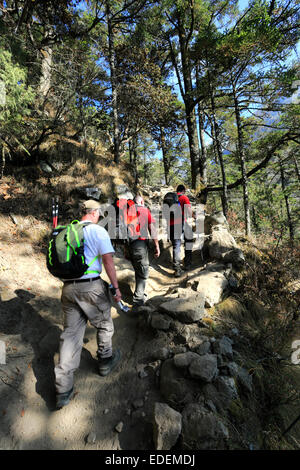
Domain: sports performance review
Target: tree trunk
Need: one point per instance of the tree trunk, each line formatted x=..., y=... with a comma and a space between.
x=83, y=133
x=296, y=168
x=218, y=146
x=45, y=80
x=203, y=154
x=193, y=145
x=165, y=156
x=189, y=105
x=203, y=158
x=135, y=162
x=145, y=164
x=114, y=91
x=130, y=152
x=2, y=165
x=263, y=164
x=241, y=152
x=287, y=202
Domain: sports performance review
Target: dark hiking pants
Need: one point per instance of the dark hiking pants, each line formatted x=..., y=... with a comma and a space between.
x=140, y=261
x=176, y=243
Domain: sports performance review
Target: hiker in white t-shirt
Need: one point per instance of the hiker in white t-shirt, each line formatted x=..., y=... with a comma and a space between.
x=88, y=299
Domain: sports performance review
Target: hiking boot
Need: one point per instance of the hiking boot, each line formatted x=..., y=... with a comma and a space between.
x=178, y=272
x=134, y=311
x=187, y=267
x=106, y=365
x=62, y=399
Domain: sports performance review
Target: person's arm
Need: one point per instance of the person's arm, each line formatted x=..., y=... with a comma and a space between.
x=153, y=233
x=190, y=212
x=157, y=249
x=111, y=272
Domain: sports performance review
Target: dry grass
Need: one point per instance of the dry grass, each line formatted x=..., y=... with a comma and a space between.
x=265, y=311
x=27, y=193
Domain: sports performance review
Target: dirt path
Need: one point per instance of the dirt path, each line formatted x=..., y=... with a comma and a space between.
x=30, y=325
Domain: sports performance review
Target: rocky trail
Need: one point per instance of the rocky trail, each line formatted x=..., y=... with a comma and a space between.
x=31, y=322
x=106, y=413
x=181, y=383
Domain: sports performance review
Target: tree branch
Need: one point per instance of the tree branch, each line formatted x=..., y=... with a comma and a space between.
x=270, y=153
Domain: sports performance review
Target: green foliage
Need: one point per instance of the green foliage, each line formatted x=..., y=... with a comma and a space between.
x=17, y=102
x=18, y=95
x=235, y=62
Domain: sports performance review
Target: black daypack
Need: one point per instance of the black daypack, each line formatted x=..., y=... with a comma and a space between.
x=171, y=209
x=170, y=199
x=65, y=257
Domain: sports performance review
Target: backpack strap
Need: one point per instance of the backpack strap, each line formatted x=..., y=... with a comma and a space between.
x=90, y=271
x=69, y=229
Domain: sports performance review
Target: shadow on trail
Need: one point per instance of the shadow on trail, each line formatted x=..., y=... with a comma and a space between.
x=155, y=264
x=165, y=261
x=18, y=317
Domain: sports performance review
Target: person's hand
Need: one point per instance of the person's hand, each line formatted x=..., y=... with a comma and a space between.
x=157, y=252
x=118, y=296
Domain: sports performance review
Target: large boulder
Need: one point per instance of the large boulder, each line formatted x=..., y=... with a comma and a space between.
x=204, y=367
x=241, y=375
x=223, y=346
x=174, y=386
x=122, y=191
x=202, y=429
x=221, y=392
x=221, y=241
x=211, y=284
x=211, y=220
x=203, y=345
x=187, y=310
x=167, y=424
x=226, y=388
x=160, y=322
x=183, y=360
x=196, y=340
x=220, y=244
x=235, y=257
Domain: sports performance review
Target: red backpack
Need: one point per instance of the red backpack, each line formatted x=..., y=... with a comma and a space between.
x=127, y=220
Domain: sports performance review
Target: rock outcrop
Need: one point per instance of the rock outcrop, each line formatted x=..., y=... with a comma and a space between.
x=187, y=310
x=167, y=426
x=220, y=244
x=202, y=429
x=197, y=376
